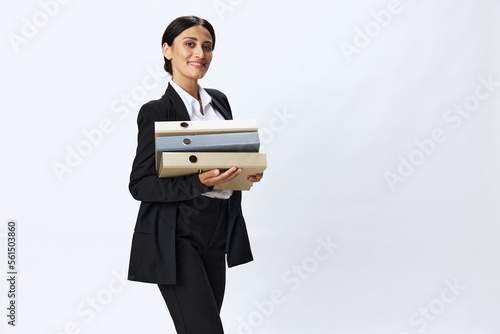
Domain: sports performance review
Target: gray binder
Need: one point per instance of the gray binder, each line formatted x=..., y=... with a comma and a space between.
x=224, y=142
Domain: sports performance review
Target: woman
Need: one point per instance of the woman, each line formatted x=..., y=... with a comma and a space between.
x=184, y=227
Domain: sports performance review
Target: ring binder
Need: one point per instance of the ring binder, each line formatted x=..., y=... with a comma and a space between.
x=190, y=147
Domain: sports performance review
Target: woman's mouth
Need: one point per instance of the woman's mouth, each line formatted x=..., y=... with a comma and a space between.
x=197, y=64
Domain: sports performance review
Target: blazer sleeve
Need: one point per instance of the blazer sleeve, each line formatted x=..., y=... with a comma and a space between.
x=144, y=184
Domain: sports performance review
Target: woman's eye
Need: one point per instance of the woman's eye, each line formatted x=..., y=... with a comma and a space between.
x=190, y=44
x=207, y=47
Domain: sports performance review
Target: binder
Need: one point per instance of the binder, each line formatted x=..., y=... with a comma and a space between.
x=185, y=163
x=179, y=128
x=226, y=142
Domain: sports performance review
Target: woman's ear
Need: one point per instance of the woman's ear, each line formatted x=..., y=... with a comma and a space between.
x=166, y=51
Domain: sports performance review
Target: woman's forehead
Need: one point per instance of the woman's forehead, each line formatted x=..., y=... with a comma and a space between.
x=198, y=33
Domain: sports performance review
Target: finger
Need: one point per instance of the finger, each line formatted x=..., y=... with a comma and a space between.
x=206, y=176
x=210, y=173
x=255, y=178
x=228, y=175
x=215, y=177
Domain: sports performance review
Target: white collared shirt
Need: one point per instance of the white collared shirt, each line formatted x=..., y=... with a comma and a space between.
x=209, y=114
x=193, y=106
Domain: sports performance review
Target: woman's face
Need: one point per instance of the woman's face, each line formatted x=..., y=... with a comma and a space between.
x=190, y=54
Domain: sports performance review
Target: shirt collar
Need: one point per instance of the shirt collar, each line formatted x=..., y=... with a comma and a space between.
x=189, y=101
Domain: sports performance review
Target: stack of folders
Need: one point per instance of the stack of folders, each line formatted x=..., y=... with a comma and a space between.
x=187, y=147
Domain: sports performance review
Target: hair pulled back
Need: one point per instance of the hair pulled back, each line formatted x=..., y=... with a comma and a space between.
x=177, y=26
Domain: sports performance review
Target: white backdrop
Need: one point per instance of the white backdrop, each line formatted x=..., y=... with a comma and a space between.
x=379, y=209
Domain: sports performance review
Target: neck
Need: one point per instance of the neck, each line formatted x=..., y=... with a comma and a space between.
x=190, y=86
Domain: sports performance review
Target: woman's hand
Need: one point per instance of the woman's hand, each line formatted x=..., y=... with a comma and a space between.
x=214, y=177
x=256, y=177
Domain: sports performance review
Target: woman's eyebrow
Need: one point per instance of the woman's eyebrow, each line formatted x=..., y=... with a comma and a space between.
x=196, y=39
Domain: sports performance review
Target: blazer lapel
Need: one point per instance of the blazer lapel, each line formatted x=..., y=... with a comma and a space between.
x=220, y=108
x=180, y=112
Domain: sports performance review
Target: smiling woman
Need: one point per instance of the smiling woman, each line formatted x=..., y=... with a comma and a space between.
x=188, y=51
x=184, y=227
x=190, y=55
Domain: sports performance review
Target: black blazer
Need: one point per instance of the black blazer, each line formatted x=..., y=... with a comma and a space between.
x=152, y=257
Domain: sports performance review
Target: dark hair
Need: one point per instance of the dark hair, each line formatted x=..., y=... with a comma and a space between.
x=177, y=26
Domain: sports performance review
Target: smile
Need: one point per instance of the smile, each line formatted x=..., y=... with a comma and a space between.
x=197, y=64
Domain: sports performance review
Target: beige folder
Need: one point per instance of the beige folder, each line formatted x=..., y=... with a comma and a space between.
x=186, y=163
x=180, y=128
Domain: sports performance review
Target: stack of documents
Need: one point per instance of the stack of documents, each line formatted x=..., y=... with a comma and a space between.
x=187, y=147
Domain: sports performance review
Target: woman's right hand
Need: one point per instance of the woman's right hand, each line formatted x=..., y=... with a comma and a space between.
x=214, y=177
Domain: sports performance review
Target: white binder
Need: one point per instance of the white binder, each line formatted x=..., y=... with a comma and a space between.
x=177, y=128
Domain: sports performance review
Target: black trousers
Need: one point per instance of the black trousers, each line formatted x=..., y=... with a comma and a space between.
x=194, y=302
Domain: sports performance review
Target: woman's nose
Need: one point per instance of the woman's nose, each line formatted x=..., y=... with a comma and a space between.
x=199, y=52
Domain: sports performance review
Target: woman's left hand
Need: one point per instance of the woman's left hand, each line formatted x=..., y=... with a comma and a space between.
x=256, y=177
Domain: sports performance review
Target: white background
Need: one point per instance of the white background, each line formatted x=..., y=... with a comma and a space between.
x=343, y=92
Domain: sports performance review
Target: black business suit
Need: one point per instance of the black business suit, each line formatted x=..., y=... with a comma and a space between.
x=153, y=253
